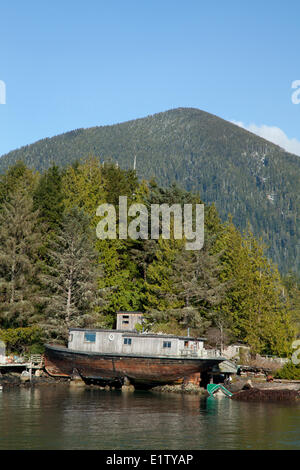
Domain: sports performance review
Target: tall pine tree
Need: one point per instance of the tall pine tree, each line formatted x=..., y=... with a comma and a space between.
x=20, y=240
x=72, y=281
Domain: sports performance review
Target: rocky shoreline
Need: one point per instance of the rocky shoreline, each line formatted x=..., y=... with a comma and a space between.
x=267, y=395
x=14, y=379
x=242, y=390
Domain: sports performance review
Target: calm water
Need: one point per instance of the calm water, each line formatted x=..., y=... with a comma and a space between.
x=63, y=418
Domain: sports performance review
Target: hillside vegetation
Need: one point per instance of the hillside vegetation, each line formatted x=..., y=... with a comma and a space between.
x=56, y=274
x=244, y=175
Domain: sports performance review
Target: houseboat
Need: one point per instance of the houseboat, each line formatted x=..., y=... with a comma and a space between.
x=143, y=359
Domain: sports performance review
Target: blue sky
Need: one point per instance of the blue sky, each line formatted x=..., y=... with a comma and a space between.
x=70, y=64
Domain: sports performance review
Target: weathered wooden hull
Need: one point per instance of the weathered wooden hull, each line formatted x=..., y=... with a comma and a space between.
x=60, y=361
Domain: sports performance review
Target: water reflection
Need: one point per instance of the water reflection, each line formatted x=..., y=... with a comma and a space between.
x=69, y=418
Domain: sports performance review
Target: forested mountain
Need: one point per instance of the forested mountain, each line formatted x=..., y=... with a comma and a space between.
x=244, y=175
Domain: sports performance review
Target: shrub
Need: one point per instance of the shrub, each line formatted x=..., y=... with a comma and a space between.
x=23, y=340
x=289, y=371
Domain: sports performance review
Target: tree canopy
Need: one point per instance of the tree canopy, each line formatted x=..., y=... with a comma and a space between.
x=55, y=273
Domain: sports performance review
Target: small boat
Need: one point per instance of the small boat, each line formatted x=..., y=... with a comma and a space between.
x=218, y=391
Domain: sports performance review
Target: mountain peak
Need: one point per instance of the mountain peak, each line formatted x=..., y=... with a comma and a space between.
x=254, y=180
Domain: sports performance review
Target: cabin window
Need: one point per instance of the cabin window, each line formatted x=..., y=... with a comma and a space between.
x=127, y=341
x=167, y=344
x=89, y=337
x=186, y=344
x=70, y=337
x=125, y=322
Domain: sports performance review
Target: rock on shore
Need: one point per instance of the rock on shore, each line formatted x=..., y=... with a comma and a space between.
x=188, y=388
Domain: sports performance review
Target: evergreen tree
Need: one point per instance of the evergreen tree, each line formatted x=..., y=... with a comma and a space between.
x=259, y=314
x=195, y=281
x=118, y=182
x=291, y=283
x=83, y=187
x=121, y=279
x=20, y=241
x=48, y=198
x=18, y=177
x=72, y=282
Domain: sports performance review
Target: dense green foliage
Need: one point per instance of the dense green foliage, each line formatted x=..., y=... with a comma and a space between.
x=289, y=371
x=55, y=273
x=23, y=340
x=20, y=242
x=243, y=174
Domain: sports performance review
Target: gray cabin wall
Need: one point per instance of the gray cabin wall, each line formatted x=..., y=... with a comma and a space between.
x=103, y=342
x=112, y=341
x=127, y=320
x=151, y=346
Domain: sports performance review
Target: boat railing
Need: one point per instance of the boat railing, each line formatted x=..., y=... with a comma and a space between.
x=202, y=353
x=211, y=353
x=189, y=352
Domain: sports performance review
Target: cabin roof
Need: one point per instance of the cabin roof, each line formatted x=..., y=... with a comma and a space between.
x=153, y=335
x=140, y=335
x=100, y=329
x=121, y=312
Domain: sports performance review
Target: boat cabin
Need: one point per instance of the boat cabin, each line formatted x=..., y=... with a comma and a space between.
x=126, y=340
x=129, y=342
x=128, y=320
